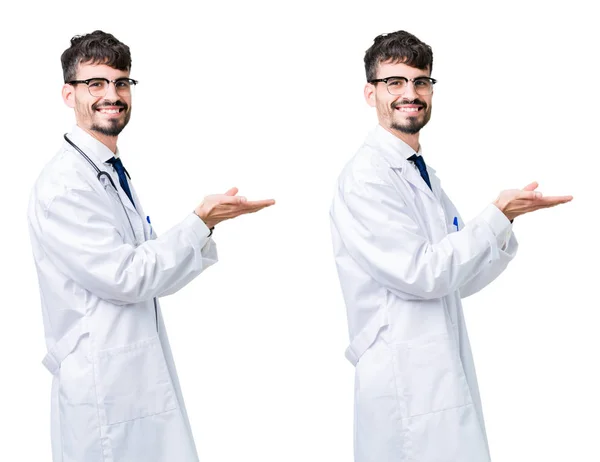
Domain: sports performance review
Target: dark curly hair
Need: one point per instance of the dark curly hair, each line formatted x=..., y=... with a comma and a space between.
x=95, y=48
x=400, y=47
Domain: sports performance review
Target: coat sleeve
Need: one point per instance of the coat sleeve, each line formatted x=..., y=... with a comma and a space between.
x=378, y=231
x=493, y=269
x=507, y=251
x=76, y=229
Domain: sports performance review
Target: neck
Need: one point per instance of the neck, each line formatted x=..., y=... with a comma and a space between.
x=109, y=141
x=411, y=140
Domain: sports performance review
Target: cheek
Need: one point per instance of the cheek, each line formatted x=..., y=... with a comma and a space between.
x=83, y=104
x=385, y=103
x=385, y=111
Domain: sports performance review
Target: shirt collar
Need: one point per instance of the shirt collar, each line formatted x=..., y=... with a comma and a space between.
x=93, y=148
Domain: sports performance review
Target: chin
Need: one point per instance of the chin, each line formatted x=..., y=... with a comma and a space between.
x=409, y=129
x=109, y=129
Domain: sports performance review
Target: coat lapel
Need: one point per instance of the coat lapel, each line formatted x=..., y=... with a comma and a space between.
x=414, y=178
x=99, y=153
x=396, y=152
x=132, y=213
x=428, y=204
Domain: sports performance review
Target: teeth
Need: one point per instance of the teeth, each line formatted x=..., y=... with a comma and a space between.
x=109, y=111
x=409, y=109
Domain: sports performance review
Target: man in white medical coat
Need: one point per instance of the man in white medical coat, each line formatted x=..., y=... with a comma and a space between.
x=405, y=258
x=115, y=394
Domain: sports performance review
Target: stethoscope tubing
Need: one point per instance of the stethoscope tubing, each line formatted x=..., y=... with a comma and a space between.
x=100, y=174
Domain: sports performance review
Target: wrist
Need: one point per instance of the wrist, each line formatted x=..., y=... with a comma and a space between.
x=202, y=217
x=502, y=208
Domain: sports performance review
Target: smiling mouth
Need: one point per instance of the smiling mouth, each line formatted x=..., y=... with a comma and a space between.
x=409, y=109
x=106, y=110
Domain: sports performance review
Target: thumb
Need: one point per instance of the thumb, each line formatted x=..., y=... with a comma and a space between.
x=531, y=186
x=232, y=192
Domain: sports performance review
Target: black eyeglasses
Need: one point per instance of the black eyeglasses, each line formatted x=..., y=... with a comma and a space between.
x=397, y=85
x=98, y=86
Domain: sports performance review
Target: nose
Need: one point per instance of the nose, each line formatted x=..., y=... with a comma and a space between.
x=410, y=92
x=111, y=92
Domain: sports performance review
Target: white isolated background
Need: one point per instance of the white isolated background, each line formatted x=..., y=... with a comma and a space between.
x=267, y=96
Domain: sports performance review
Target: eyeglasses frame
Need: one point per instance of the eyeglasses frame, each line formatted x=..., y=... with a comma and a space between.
x=108, y=82
x=385, y=80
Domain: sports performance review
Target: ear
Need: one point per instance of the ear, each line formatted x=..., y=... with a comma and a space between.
x=68, y=95
x=370, y=94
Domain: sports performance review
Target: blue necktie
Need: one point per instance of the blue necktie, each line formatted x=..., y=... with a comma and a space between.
x=420, y=163
x=118, y=165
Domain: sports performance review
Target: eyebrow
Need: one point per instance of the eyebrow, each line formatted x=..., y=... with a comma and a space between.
x=104, y=78
x=402, y=77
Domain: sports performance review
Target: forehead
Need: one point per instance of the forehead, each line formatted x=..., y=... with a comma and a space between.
x=88, y=70
x=395, y=68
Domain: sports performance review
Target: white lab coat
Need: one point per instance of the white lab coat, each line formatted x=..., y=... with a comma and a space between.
x=403, y=269
x=115, y=393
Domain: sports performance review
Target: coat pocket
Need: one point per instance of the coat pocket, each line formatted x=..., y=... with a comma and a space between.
x=429, y=376
x=133, y=382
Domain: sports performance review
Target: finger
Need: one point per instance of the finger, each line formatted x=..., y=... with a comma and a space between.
x=231, y=200
x=541, y=205
x=563, y=198
x=528, y=202
x=232, y=192
x=556, y=199
x=546, y=205
x=252, y=209
x=239, y=208
x=261, y=203
x=529, y=195
x=531, y=186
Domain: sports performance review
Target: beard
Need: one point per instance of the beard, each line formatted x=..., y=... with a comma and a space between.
x=112, y=127
x=412, y=125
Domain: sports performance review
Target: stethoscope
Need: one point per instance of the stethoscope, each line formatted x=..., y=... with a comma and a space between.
x=100, y=174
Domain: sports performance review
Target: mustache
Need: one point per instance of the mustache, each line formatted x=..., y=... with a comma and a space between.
x=105, y=103
x=397, y=104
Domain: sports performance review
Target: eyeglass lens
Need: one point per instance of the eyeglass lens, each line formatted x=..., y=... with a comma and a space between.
x=398, y=86
x=99, y=87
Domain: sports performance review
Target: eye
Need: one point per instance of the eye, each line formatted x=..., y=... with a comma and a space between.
x=122, y=84
x=96, y=83
x=422, y=83
x=396, y=82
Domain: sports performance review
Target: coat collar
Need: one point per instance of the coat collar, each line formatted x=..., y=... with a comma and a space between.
x=100, y=154
x=391, y=147
x=396, y=152
x=93, y=148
